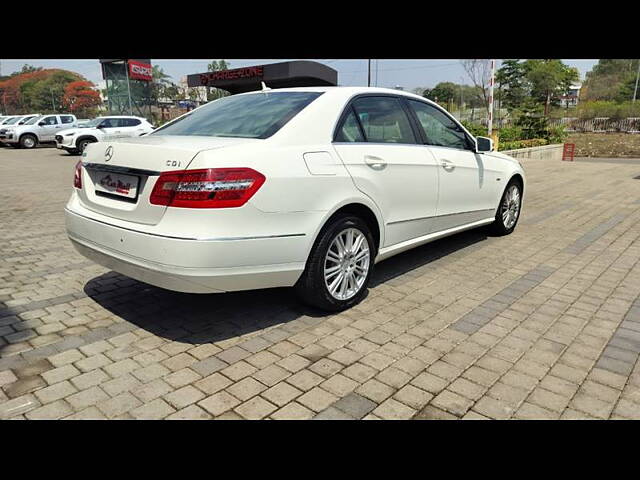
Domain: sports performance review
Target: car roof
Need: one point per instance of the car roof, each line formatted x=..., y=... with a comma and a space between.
x=343, y=91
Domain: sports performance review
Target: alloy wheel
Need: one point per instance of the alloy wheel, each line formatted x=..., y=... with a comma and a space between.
x=346, y=264
x=511, y=207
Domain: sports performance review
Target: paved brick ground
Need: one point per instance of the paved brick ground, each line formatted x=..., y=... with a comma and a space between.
x=544, y=323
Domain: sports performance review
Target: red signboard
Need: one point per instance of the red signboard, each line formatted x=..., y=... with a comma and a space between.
x=247, y=72
x=567, y=151
x=140, y=71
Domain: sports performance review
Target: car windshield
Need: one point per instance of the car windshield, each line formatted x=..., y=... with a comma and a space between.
x=92, y=123
x=32, y=120
x=257, y=115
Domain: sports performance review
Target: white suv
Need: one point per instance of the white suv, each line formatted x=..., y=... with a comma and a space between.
x=41, y=129
x=75, y=140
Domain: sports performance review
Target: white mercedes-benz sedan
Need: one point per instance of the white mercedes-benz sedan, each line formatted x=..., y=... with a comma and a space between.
x=305, y=187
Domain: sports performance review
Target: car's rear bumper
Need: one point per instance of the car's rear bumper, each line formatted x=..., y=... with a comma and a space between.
x=187, y=265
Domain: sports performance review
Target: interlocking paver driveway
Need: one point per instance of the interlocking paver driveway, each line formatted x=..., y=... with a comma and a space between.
x=544, y=323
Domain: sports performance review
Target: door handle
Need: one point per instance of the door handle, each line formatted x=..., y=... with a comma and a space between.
x=376, y=163
x=448, y=165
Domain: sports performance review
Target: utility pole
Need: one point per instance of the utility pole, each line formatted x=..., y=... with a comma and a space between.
x=491, y=82
x=53, y=106
x=635, y=90
x=369, y=77
x=461, y=97
x=377, y=72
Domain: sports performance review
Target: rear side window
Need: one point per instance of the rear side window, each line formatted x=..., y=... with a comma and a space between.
x=130, y=122
x=350, y=130
x=255, y=115
x=66, y=119
x=384, y=120
x=439, y=129
x=50, y=120
x=110, y=123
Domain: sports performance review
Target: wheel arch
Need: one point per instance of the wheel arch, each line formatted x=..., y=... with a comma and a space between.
x=362, y=209
x=29, y=134
x=85, y=137
x=517, y=177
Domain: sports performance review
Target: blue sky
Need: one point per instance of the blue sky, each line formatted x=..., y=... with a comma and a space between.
x=390, y=73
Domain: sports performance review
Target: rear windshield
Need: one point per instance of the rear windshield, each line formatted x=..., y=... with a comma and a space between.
x=257, y=115
x=11, y=121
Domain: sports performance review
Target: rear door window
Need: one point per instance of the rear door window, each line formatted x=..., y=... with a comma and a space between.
x=51, y=120
x=384, y=120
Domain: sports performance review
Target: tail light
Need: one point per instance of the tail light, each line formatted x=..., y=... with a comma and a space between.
x=77, y=176
x=206, y=188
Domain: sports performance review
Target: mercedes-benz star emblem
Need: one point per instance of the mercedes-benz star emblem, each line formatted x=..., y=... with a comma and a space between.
x=108, y=154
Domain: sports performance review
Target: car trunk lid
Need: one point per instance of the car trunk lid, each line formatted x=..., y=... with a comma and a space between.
x=118, y=177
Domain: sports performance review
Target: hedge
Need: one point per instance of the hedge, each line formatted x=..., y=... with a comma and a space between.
x=534, y=142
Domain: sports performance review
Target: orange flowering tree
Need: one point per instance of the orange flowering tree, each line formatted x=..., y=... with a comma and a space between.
x=43, y=91
x=81, y=98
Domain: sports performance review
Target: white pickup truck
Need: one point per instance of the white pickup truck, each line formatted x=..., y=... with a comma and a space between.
x=41, y=129
x=8, y=122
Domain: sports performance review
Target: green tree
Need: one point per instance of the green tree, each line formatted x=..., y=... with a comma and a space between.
x=549, y=79
x=160, y=84
x=609, y=79
x=216, y=66
x=513, y=84
x=26, y=68
x=444, y=92
x=45, y=95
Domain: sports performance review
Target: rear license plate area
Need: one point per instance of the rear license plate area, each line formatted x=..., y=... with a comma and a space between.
x=116, y=185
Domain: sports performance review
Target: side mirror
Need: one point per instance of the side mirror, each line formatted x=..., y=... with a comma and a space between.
x=484, y=144
x=100, y=126
x=42, y=124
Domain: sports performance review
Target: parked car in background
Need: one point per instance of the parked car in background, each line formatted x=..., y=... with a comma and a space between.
x=75, y=140
x=7, y=118
x=38, y=130
x=16, y=120
x=305, y=187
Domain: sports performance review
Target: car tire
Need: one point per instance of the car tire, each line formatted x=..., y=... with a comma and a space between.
x=509, y=210
x=354, y=265
x=82, y=144
x=28, y=141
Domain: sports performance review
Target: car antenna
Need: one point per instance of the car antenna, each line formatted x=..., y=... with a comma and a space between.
x=264, y=87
